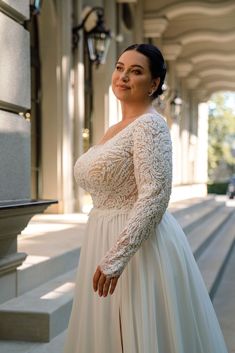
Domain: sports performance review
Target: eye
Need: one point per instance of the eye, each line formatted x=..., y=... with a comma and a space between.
x=118, y=68
x=136, y=71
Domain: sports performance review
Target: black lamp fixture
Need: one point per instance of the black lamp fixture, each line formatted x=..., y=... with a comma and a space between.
x=35, y=6
x=97, y=36
x=176, y=104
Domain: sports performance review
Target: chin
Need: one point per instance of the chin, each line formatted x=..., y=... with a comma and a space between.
x=122, y=96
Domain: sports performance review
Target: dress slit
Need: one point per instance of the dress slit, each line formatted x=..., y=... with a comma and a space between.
x=120, y=326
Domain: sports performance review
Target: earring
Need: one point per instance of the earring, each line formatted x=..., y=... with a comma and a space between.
x=151, y=93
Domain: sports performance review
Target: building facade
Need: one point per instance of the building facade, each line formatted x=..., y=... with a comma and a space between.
x=71, y=100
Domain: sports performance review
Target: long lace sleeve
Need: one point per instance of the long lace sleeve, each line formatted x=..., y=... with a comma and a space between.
x=152, y=157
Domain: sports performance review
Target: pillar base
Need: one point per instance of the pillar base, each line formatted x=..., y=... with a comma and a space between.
x=14, y=217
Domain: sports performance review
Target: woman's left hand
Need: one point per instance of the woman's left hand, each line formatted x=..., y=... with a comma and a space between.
x=103, y=284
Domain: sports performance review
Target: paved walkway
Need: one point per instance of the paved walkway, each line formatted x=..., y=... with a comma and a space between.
x=225, y=305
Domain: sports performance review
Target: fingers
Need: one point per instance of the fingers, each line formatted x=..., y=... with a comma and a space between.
x=103, y=284
x=106, y=287
x=96, y=278
x=113, y=285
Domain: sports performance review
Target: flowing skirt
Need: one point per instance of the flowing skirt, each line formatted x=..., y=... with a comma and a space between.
x=160, y=304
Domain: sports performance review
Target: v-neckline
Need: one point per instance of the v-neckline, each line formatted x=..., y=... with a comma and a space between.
x=152, y=111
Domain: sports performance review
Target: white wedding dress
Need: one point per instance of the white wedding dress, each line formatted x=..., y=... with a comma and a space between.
x=160, y=304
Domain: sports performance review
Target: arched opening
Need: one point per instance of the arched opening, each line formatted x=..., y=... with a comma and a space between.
x=221, y=140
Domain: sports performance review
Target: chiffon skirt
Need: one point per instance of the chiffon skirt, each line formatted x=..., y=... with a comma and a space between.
x=160, y=304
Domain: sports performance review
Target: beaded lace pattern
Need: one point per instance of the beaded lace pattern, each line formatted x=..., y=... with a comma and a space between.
x=131, y=171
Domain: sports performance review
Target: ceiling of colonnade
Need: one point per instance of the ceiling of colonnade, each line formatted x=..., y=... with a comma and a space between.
x=199, y=36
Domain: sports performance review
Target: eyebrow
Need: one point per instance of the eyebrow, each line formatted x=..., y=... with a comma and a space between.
x=135, y=65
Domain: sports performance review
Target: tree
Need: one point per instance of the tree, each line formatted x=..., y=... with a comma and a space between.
x=221, y=139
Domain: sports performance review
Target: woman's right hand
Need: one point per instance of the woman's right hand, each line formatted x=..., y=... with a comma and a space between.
x=103, y=284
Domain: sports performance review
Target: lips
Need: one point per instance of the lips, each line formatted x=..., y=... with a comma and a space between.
x=123, y=87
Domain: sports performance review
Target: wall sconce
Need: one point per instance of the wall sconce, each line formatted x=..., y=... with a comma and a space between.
x=26, y=115
x=35, y=6
x=176, y=105
x=97, y=36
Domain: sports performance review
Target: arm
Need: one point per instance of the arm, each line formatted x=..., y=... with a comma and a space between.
x=152, y=158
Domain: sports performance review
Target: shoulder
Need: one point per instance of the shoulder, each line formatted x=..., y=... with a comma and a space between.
x=152, y=122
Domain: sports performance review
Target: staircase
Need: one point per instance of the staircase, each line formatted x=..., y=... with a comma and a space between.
x=36, y=321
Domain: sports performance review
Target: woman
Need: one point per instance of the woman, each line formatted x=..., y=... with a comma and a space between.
x=148, y=295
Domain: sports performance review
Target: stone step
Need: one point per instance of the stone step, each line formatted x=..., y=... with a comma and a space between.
x=213, y=260
x=54, y=346
x=37, y=271
x=190, y=218
x=200, y=236
x=223, y=302
x=53, y=244
x=190, y=204
x=41, y=314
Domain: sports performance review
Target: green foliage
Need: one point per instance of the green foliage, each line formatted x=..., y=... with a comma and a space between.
x=221, y=139
x=217, y=188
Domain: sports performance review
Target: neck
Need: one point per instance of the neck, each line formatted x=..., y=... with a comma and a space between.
x=130, y=111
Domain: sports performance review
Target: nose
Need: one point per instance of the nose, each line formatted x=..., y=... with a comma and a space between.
x=124, y=76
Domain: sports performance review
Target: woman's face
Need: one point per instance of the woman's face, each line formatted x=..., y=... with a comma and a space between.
x=131, y=79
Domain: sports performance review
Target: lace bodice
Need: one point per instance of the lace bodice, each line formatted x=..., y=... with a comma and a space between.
x=133, y=171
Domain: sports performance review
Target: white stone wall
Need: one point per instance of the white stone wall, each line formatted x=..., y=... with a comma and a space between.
x=14, y=98
x=15, y=64
x=16, y=8
x=15, y=157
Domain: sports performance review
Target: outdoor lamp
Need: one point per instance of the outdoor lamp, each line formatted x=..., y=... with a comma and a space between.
x=35, y=6
x=176, y=105
x=97, y=37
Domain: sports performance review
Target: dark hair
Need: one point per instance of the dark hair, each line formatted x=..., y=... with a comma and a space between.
x=156, y=63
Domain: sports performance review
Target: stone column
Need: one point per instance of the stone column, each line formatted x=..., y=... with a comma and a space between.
x=79, y=102
x=55, y=32
x=171, y=51
x=184, y=138
x=202, y=154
